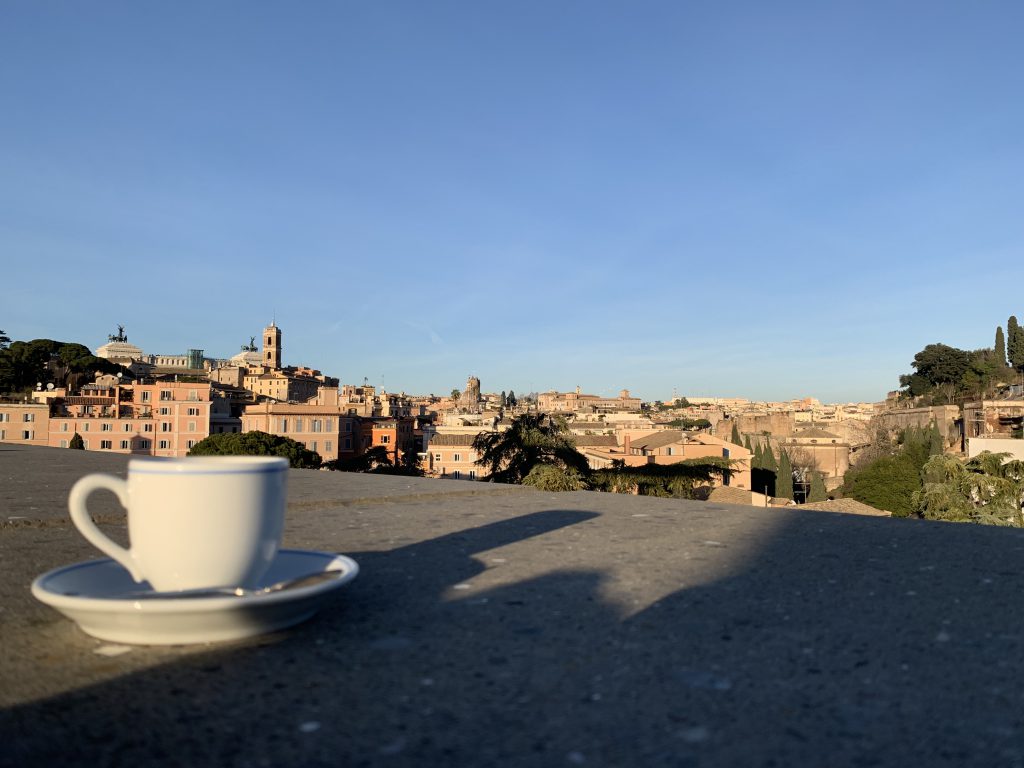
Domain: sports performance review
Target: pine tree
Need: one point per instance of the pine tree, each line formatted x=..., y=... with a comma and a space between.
x=1000, y=346
x=784, y=479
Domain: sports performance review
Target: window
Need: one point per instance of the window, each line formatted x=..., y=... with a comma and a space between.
x=437, y=457
x=63, y=426
x=328, y=446
x=193, y=411
x=330, y=424
x=106, y=445
x=106, y=426
x=312, y=446
x=457, y=457
x=5, y=417
x=147, y=427
x=165, y=394
x=145, y=444
x=317, y=425
x=191, y=426
x=298, y=425
x=145, y=396
x=164, y=411
x=85, y=427
x=472, y=474
x=166, y=426
x=348, y=425
x=190, y=443
x=29, y=417
x=164, y=444
x=28, y=434
x=125, y=445
x=127, y=427
x=63, y=443
x=284, y=425
x=385, y=439
x=457, y=475
x=348, y=443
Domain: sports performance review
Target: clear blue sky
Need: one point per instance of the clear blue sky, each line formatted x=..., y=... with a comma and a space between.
x=760, y=199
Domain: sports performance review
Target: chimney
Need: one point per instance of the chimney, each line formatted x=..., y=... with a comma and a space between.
x=627, y=444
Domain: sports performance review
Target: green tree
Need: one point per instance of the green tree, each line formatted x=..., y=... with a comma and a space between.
x=937, y=367
x=735, y=438
x=512, y=398
x=1015, y=343
x=456, y=394
x=768, y=457
x=375, y=459
x=257, y=444
x=549, y=477
x=23, y=363
x=887, y=483
x=987, y=489
x=784, y=477
x=533, y=438
x=680, y=480
x=1000, y=348
x=817, y=490
x=5, y=340
x=77, y=442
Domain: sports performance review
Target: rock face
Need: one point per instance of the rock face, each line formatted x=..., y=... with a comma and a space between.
x=469, y=400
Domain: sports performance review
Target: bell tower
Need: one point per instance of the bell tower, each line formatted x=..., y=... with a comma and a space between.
x=272, y=346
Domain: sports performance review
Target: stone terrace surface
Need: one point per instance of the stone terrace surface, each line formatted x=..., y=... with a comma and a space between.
x=500, y=626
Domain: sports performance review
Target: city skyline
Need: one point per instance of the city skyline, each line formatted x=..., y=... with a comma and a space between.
x=762, y=202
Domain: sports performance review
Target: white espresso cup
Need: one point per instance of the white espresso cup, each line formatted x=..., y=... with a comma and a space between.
x=193, y=523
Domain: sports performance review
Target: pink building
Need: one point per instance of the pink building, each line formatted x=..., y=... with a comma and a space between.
x=164, y=418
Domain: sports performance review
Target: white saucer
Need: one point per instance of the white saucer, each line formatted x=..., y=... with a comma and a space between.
x=88, y=593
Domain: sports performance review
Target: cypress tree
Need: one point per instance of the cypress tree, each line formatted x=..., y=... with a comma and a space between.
x=768, y=458
x=784, y=478
x=1015, y=343
x=817, y=491
x=1000, y=346
x=936, y=445
x=757, y=462
x=736, y=439
x=77, y=442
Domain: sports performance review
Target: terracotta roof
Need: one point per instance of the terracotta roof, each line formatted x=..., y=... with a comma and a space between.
x=593, y=441
x=850, y=506
x=451, y=440
x=658, y=439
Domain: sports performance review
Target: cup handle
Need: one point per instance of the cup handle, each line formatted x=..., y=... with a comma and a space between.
x=80, y=492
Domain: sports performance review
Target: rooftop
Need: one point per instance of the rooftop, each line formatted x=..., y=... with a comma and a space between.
x=501, y=626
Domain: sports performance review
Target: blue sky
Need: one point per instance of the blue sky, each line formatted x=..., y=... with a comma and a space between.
x=767, y=200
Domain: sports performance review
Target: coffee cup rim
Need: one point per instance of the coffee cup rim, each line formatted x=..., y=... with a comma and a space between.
x=207, y=465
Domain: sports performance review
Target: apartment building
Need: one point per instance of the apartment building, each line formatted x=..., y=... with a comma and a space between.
x=452, y=456
x=323, y=424
x=163, y=418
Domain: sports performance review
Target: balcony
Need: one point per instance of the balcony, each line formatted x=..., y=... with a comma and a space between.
x=497, y=626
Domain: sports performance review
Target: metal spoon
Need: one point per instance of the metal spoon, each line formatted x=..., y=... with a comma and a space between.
x=300, y=581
